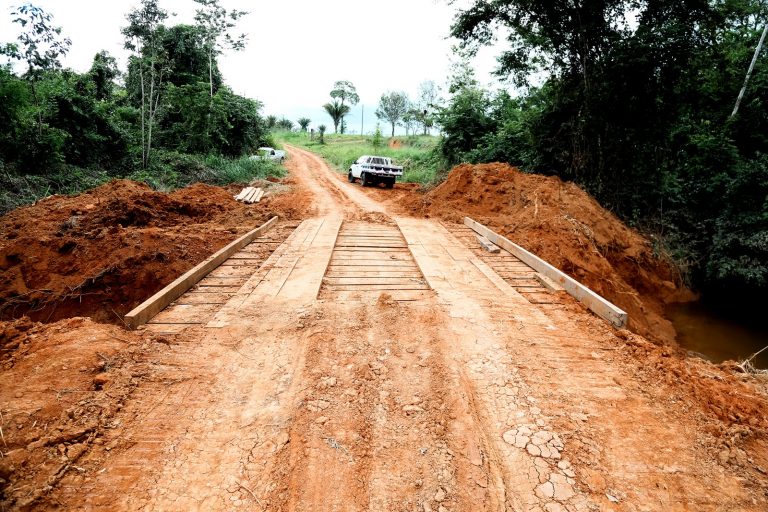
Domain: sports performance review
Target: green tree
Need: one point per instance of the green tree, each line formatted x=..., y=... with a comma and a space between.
x=392, y=108
x=215, y=23
x=271, y=122
x=337, y=111
x=285, y=124
x=304, y=123
x=377, y=141
x=346, y=94
x=143, y=37
x=427, y=104
x=188, y=58
x=104, y=72
x=40, y=46
x=465, y=121
x=226, y=124
x=639, y=115
x=322, y=129
x=410, y=120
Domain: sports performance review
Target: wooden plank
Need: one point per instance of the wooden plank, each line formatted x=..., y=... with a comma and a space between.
x=249, y=198
x=597, y=304
x=373, y=280
x=251, y=254
x=540, y=297
x=349, y=247
x=217, y=289
x=368, y=234
x=525, y=283
x=374, y=273
x=548, y=283
x=243, y=262
x=203, y=298
x=371, y=263
x=243, y=193
x=487, y=244
x=370, y=240
x=369, y=245
x=512, y=276
x=360, y=287
x=372, y=255
x=221, y=281
x=153, y=305
x=185, y=314
x=371, y=296
x=258, y=196
x=233, y=271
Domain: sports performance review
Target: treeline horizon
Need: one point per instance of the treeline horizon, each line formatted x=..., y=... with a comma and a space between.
x=170, y=120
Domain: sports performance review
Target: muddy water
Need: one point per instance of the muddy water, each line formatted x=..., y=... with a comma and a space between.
x=718, y=337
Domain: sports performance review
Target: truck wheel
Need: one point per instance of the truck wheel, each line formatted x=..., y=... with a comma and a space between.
x=364, y=181
x=350, y=178
x=390, y=183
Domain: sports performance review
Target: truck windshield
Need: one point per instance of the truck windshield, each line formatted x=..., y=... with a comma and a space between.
x=378, y=161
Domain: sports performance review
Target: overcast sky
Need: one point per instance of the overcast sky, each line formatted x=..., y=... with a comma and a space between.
x=296, y=49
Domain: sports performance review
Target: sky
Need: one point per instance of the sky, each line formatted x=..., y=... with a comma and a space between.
x=296, y=49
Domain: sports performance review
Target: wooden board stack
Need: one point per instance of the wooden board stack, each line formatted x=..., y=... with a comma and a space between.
x=250, y=195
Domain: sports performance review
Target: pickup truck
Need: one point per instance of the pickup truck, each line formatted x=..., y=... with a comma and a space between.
x=372, y=170
x=273, y=154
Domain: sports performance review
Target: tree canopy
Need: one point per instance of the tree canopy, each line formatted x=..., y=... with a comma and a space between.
x=634, y=103
x=392, y=107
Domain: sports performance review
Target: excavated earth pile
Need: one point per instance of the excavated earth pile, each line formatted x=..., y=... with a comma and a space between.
x=564, y=225
x=102, y=252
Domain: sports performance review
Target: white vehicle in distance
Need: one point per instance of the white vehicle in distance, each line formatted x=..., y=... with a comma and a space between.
x=273, y=154
x=372, y=170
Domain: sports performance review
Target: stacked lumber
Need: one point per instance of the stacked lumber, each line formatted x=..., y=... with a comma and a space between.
x=250, y=195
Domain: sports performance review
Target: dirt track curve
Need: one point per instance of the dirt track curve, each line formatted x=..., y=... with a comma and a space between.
x=379, y=362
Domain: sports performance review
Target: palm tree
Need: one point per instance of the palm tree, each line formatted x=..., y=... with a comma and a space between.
x=304, y=123
x=321, y=129
x=337, y=111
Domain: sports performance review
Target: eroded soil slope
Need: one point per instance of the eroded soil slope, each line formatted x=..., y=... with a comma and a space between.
x=101, y=253
x=564, y=225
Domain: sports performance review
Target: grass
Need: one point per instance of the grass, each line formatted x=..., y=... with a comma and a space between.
x=416, y=154
x=168, y=171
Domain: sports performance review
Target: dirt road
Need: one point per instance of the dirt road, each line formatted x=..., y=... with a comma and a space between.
x=380, y=363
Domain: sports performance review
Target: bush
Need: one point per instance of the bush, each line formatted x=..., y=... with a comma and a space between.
x=242, y=170
x=170, y=170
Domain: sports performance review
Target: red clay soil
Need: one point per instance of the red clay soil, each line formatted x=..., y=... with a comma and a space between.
x=102, y=252
x=60, y=386
x=564, y=225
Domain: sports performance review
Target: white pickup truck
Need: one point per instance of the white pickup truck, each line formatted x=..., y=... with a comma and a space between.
x=372, y=170
x=273, y=154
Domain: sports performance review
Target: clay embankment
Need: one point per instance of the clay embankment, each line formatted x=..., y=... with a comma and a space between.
x=564, y=225
x=101, y=253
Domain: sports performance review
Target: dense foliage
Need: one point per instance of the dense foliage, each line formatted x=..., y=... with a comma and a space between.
x=636, y=107
x=63, y=131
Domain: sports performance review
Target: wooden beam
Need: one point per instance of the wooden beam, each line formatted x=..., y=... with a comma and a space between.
x=243, y=193
x=548, y=283
x=593, y=301
x=156, y=303
x=249, y=198
x=487, y=244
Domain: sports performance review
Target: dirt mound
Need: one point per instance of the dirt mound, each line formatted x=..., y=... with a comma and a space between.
x=564, y=225
x=60, y=386
x=102, y=252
